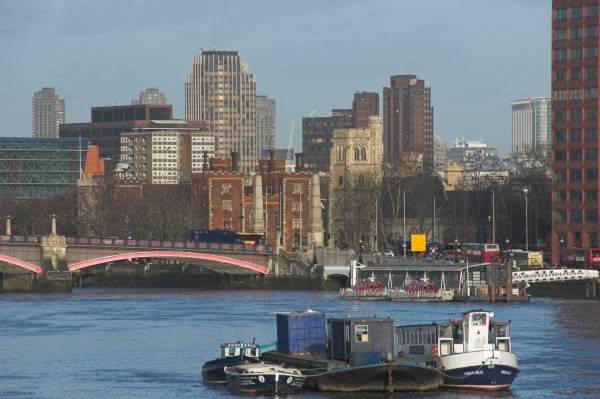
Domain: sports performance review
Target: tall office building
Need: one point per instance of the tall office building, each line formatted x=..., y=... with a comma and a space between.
x=531, y=124
x=407, y=120
x=47, y=112
x=440, y=153
x=222, y=92
x=265, y=123
x=150, y=96
x=317, y=132
x=575, y=165
x=364, y=106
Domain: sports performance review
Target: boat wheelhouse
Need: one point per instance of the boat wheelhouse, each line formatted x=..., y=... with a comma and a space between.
x=474, y=352
x=232, y=354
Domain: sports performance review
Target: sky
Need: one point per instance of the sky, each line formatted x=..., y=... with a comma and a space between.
x=476, y=55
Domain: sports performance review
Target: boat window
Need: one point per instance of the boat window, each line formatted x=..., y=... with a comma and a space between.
x=231, y=352
x=361, y=333
x=479, y=319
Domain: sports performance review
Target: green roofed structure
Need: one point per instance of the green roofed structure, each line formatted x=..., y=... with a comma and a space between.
x=39, y=167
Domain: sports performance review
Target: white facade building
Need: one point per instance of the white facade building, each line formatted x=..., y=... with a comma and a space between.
x=531, y=124
x=47, y=112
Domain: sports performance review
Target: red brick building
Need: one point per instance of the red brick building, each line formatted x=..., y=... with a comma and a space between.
x=575, y=164
x=222, y=199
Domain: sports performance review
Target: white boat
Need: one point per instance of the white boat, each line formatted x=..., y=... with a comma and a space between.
x=472, y=353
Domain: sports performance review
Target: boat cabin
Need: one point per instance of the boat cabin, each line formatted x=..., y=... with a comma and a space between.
x=240, y=348
x=475, y=332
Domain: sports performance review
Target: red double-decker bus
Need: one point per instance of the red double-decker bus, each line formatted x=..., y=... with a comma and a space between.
x=484, y=253
x=582, y=258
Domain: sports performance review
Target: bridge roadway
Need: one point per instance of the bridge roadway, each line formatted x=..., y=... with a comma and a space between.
x=27, y=252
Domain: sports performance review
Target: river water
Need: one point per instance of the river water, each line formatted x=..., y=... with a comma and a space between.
x=109, y=343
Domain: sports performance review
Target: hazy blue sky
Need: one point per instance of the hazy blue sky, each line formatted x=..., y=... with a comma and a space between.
x=477, y=55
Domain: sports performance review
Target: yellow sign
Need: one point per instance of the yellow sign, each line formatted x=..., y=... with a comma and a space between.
x=417, y=242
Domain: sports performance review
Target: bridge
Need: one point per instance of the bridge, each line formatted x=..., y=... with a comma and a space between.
x=70, y=254
x=554, y=275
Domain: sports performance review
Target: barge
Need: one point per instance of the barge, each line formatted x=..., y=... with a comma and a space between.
x=472, y=353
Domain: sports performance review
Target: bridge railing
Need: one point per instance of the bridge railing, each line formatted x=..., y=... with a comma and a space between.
x=152, y=244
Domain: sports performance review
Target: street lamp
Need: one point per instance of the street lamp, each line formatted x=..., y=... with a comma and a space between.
x=562, y=243
x=404, y=220
x=525, y=191
x=507, y=243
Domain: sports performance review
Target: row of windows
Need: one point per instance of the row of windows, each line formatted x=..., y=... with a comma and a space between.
x=575, y=53
x=576, y=216
x=575, y=135
x=576, y=175
x=576, y=155
x=576, y=115
x=575, y=94
x=576, y=196
x=576, y=33
x=575, y=12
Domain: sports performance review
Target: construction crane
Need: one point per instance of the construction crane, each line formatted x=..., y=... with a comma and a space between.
x=291, y=139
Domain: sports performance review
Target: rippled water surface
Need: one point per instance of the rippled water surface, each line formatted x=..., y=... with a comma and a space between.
x=103, y=343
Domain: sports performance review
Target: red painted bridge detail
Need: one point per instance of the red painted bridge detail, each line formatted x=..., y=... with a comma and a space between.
x=169, y=254
x=20, y=263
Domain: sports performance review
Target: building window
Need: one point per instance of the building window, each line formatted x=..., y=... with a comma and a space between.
x=575, y=53
x=560, y=115
x=590, y=114
x=591, y=196
x=576, y=94
x=574, y=135
x=560, y=196
x=560, y=75
x=575, y=155
x=575, y=196
x=226, y=189
x=591, y=11
x=560, y=13
x=560, y=95
x=591, y=52
x=560, y=136
x=559, y=55
x=590, y=73
x=560, y=216
x=559, y=155
x=575, y=215
x=576, y=12
x=591, y=31
x=575, y=74
x=297, y=224
x=593, y=239
x=297, y=188
x=590, y=135
x=560, y=34
x=575, y=115
x=227, y=224
x=591, y=154
x=591, y=92
x=560, y=176
x=575, y=175
x=591, y=216
x=591, y=175
x=297, y=206
x=227, y=205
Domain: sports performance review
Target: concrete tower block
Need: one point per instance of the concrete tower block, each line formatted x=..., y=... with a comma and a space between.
x=257, y=221
x=315, y=233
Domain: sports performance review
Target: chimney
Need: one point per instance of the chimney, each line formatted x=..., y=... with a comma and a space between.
x=235, y=161
x=299, y=162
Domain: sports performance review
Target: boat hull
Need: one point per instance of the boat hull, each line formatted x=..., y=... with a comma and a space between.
x=483, y=370
x=376, y=378
x=264, y=383
x=213, y=371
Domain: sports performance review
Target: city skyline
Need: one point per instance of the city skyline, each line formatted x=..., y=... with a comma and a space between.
x=301, y=68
